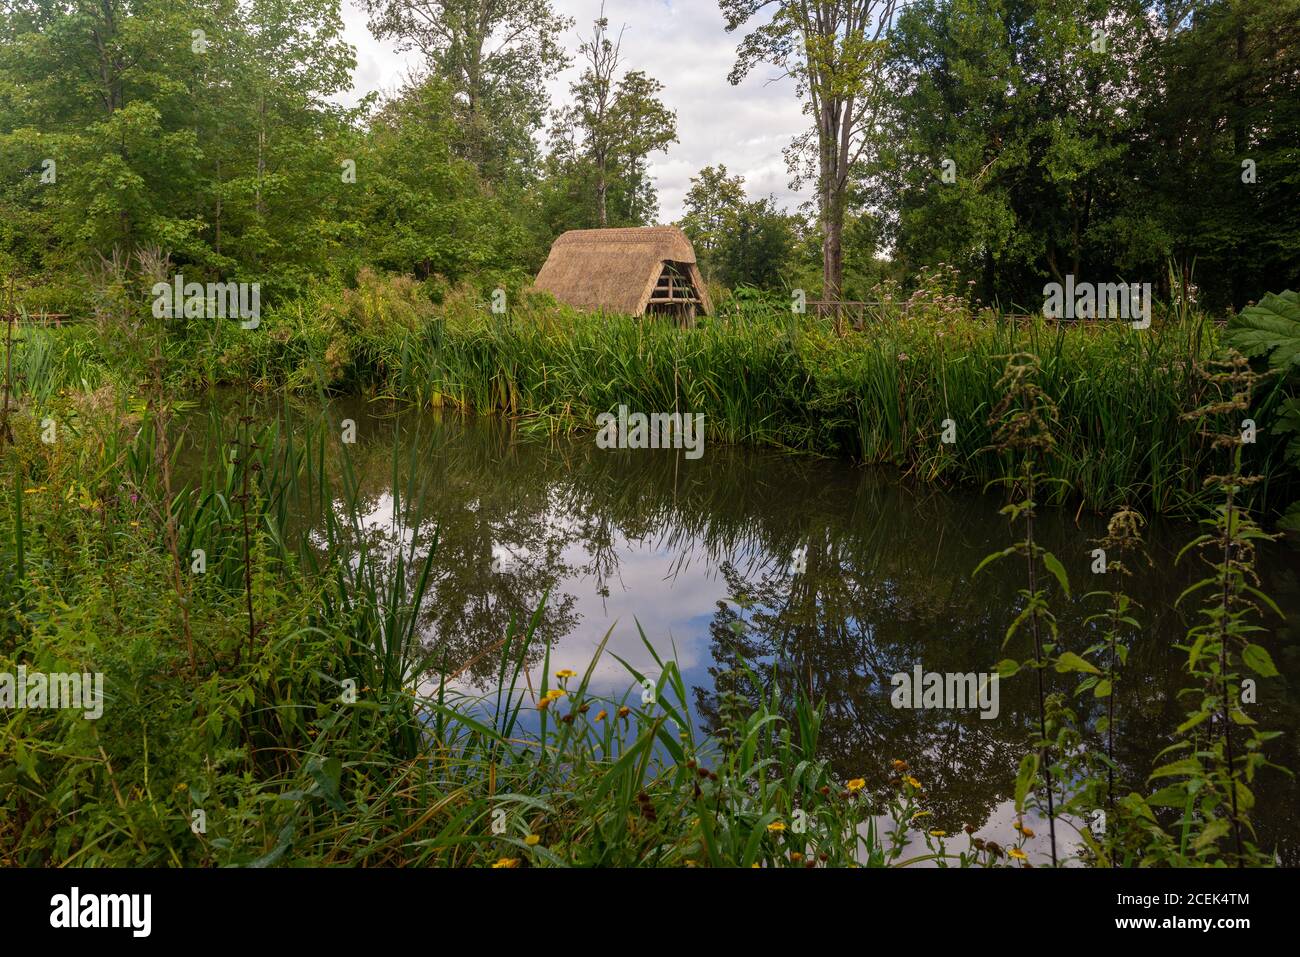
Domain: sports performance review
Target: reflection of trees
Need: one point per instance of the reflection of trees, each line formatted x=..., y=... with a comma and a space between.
x=470, y=603
x=839, y=631
x=887, y=584
x=894, y=589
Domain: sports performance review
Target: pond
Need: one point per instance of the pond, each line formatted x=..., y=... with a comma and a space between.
x=840, y=577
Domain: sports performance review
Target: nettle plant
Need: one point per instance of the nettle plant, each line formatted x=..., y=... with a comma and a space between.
x=1108, y=655
x=1220, y=747
x=1022, y=425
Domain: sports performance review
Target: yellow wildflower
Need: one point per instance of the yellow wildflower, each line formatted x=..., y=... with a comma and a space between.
x=912, y=781
x=532, y=840
x=938, y=833
x=776, y=827
x=857, y=784
x=507, y=862
x=547, y=698
x=602, y=714
x=1018, y=854
x=565, y=673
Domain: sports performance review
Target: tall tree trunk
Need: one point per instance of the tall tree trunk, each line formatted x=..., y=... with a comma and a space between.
x=832, y=135
x=1239, y=146
x=475, y=88
x=833, y=251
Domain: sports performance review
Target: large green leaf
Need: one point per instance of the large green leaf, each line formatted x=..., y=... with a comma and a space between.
x=1288, y=422
x=1270, y=327
x=1185, y=766
x=1025, y=779
x=1056, y=568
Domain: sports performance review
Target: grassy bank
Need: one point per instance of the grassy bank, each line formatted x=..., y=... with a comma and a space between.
x=758, y=373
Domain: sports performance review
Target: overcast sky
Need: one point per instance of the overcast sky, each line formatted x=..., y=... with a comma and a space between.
x=683, y=45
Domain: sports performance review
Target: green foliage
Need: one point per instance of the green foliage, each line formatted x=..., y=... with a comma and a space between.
x=1269, y=328
x=290, y=693
x=837, y=55
x=601, y=142
x=1218, y=749
x=755, y=246
x=419, y=208
x=1103, y=163
x=758, y=373
x=739, y=243
x=1222, y=747
x=1024, y=422
x=226, y=152
x=709, y=201
x=496, y=59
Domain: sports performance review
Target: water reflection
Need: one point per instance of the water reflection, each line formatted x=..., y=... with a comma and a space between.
x=809, y=572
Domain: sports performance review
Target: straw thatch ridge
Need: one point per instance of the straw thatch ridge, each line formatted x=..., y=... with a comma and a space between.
x=616, y=269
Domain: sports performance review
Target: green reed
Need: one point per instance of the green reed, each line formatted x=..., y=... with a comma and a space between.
x=759, y=373
x=879, y=395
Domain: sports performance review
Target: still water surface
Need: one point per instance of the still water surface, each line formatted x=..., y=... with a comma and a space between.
x=685, y=549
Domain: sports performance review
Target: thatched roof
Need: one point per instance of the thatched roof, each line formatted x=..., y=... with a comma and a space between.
x=616, y=269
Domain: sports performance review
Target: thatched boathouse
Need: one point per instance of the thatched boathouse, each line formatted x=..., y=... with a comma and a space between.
x=639, y=271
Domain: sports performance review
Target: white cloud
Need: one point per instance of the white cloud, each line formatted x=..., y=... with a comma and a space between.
x=681, y=43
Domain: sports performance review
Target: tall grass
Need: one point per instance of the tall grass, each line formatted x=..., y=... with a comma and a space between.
x=878, y=396
x=340, y=731
x=760, y=375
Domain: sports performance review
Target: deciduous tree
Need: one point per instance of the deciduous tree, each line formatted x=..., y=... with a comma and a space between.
x=834, y=50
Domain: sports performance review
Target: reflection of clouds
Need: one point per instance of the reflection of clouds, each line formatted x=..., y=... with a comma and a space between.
x=675, y=623
x=385, y=534
x=999, y=826
x=378, y=524
x=504, y=557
